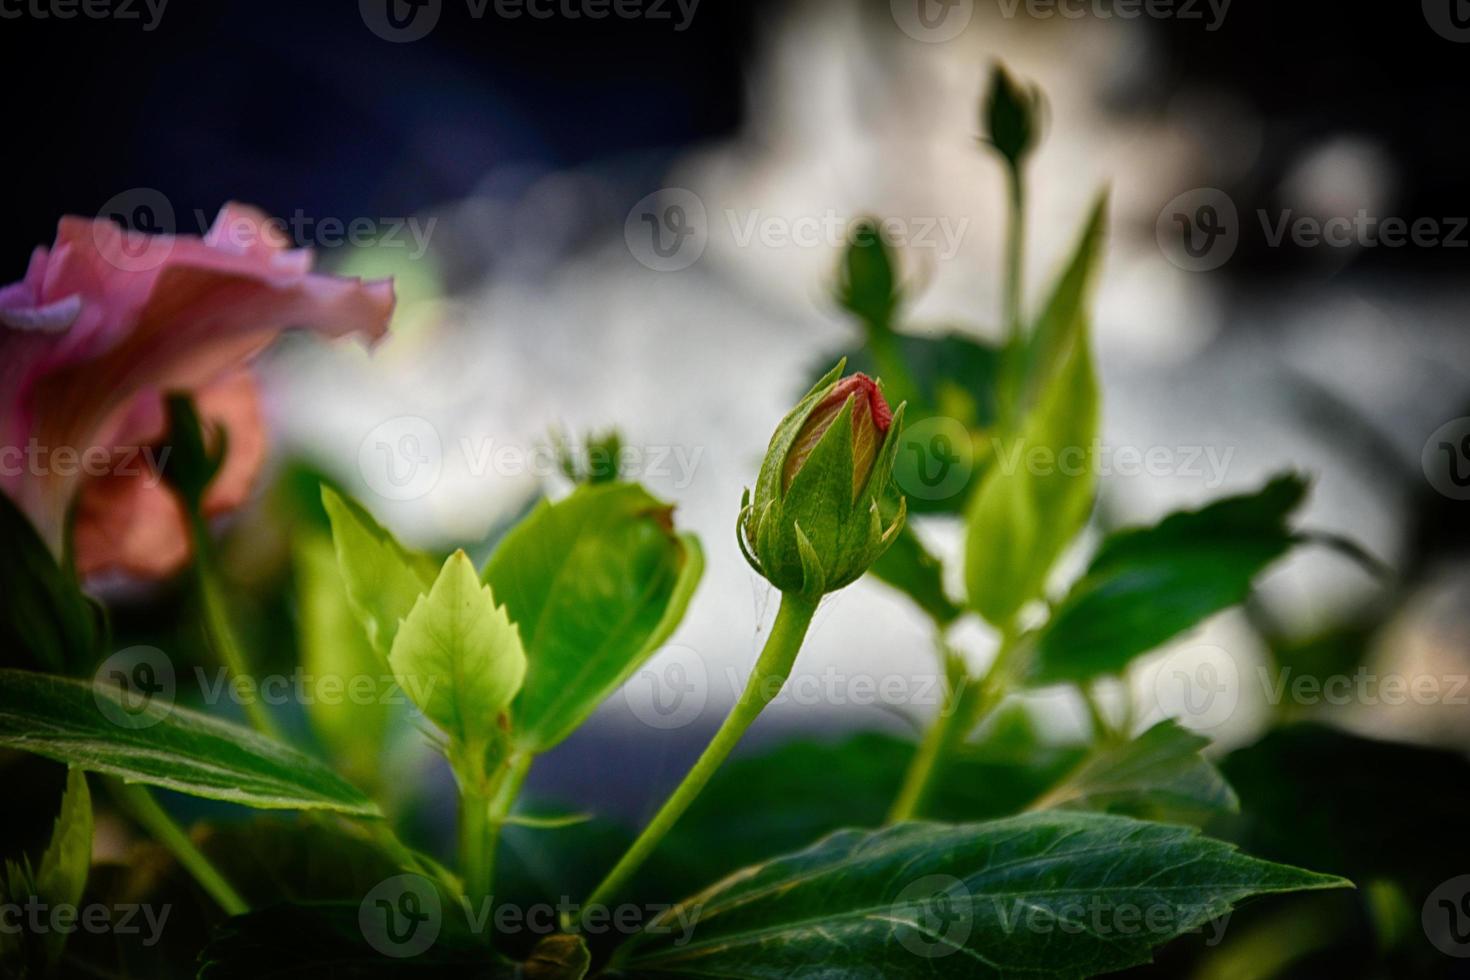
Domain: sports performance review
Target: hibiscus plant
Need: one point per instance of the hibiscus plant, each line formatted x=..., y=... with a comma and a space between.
x=972, y=851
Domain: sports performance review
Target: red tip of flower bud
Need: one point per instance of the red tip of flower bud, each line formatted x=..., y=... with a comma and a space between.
x=871, y=419
x=862, y=384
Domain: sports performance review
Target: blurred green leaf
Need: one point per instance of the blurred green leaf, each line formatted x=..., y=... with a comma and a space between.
x=954, y=375
x=45, y=620
x=1362, y=807
x=335, y=651
x=383, y=578
x=1036, y=495
x=1147, y=585
x=1032, y=366
x=58, y=882
x=276, y=855
x=459, y=656
x=98, y=728
x=596, y=583
x=891, y=904
x=1160, y=775
x=912, y=570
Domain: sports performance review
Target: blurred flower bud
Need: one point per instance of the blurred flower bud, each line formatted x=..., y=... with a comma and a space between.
x=190, y=463
x=815, y=523
x=865, y=284
x=1011, y=116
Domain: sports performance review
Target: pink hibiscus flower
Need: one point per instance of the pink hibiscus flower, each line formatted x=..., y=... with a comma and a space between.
x=103, y=324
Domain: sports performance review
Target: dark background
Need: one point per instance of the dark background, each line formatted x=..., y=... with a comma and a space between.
x=292, y=104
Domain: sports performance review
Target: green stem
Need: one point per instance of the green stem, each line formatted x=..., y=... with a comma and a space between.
x=765, y=682
x=919, y=779
x=484, y=802
x=966, y=704
x=1015, y=252
x=474, y=845
x=507, y=788
x=1102, y=729
x=217, y=622
x=145, y=809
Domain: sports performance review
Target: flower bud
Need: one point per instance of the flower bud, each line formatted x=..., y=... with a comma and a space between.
x=865, y=280
x=816, y=521
x=1011, y=117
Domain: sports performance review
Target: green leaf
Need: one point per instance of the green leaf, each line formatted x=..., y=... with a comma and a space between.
x=64, y=865
x=909, y=567
x=1032, y=366
x=335, y=650
x=955, y=375
x=45, y=620
x=97, y=728
x=383, y=578
x=1147, y=585
x=1035, y=496
x=1356, y=806
x=556, y=822
x=1055, y=894
x=780, y=800
x=459, y=656
x=58, y=882
x=596, y=582
x=1160, y=775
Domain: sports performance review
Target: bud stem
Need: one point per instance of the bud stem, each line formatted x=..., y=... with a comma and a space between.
x=966, y=705
x=766, y=681
x=1015, y=250
x=139, y=803
x=217, y=623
